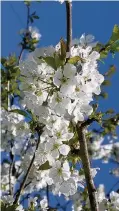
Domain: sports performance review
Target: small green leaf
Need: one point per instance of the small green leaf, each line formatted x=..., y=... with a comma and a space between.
x=115, y=47
x=58, y=60
x=74, y=60
x=18, y=111
x=111, y=71
x=115, y=34
x=104, y=95
x=104, y=54
x=8, y=208
x=106, y=83
x=45, y=166
x=36, y=17
x=110, y=111
x=3, y=60
x=50, y=61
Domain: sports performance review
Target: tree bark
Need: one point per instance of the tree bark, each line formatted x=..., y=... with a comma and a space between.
x=69, y=25
x=87, y=168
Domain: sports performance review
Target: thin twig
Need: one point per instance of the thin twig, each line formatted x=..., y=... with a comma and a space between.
x=47, y=194
x=27, y=27
x=20, y=55
x=87, y=168
x=27, y=173
x=8, y=98
x=10, y=184
x=69, y=25
x=28, y=14
x=115, y=184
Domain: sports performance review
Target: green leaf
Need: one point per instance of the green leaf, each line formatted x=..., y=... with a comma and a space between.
x=104, y=95
x=34, y=40
x=18, y=111
x=98, y=47
x=74, y=60
x=36, y=17
x=9, y=208
x=106, y=83
x=50, y=61
x=104, y=54
x=58, y=60
x=115, y=47
x=3, y=60
x=110, y=111
x=115, y=34
x=45, y=166
x=111, y=71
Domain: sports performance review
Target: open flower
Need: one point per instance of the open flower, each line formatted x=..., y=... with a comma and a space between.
x=56, y=148
x=60, y=172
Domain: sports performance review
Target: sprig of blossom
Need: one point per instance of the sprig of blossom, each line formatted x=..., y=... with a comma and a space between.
x=58, y=94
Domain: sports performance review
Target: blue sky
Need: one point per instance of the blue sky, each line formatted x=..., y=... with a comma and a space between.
x=97, y=18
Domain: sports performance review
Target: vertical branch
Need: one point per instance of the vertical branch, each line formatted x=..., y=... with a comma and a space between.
x=69, y=25
x=28, y=14
x=12, y=170
x=20, y=55
x=10, y=184
x=8, y=98
x=87, y=168
x=27, y=27
x=47, y=194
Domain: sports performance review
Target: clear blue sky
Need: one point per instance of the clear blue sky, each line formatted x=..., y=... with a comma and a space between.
x=97, y=18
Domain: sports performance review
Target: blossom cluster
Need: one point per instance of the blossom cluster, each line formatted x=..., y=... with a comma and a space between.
x=58, y=96
x=57, y=93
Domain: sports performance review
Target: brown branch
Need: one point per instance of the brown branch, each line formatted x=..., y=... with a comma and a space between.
x=27, y=173
x=10, y=185
x=20, y=55
x=88, y=122
x=87, y=168
x=69, y=25
x=28, y=15
x=47, y=194
x=27, y=26
x=115, y=184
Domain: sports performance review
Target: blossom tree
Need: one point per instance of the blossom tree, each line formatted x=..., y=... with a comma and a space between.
x=49, y=102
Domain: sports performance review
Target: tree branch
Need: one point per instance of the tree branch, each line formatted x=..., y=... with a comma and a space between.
x=69, y=25
x=47, y=194
x=28, y=14
x=27, y=173
x=115, y=184
x=88, y=122
x=27, y=27
x=87, y=168
x=10, y=185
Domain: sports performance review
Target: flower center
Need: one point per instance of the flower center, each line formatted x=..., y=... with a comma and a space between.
x=59, y=171
x=64, y=80
x=56, y=146
x=58, y=99
x=77, y=89
x=58, y=134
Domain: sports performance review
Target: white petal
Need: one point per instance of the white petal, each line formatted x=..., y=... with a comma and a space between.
x=64, y=149
x=55, y=153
